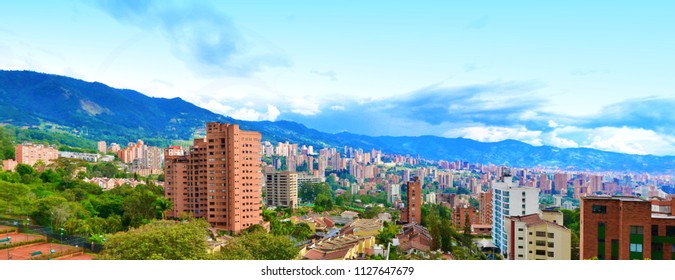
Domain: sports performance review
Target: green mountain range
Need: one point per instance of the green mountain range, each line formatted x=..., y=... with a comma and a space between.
x=98, y=112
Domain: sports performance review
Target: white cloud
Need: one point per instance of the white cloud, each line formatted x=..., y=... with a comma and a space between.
x=552, y=124
x=552, y=139
x=495, y=134
x=614, y=139
x=630, y=140
x=272, y=112
x=244, y=113
x=216, y=107
x=303, y=105
x=337, y=107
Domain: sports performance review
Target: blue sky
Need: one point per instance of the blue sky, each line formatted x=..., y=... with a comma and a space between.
x=568, y=74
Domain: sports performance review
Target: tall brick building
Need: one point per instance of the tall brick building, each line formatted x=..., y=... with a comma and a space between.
x=485, y=207
x=219, y=178
x=623, y=228
x=412, y=213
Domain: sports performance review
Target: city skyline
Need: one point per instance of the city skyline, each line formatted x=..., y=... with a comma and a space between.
x=572, y=75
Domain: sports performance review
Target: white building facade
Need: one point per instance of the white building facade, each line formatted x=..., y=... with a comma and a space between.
x=510, y=199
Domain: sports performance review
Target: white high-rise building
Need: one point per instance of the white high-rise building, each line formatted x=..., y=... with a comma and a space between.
x=510, y=199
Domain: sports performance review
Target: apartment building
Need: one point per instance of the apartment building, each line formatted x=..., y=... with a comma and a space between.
x=624, y=228
x=219, y=178
x=281, y=189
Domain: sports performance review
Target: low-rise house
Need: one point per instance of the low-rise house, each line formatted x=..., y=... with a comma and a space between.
x=414, y=238
x=342, y=247
x=384, y=217
x=349, y=214
x=363, y=227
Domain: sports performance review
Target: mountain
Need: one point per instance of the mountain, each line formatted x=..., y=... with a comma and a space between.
x=99, y=112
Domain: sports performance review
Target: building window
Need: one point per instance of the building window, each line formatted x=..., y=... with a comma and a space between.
x=520, y=238
x=520, y=247
x=541, y=252
x=541, y=243
x=601, y=209
x=551, y=244
x=670, y=231
x=520, y=229
x=634, y=247
x=550, y=235
x=541, y=234
x=550, y=254
x=655, y=230
x=637, y=230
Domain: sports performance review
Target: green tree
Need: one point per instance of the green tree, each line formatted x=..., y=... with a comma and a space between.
x=159, y=240
x=301, y=231
x=372, y=212
x=258, y=246
x=323, y=203
x=387, y=234
x=434, y=231
x=467, y=225
x=308, y=192
x=162, y=205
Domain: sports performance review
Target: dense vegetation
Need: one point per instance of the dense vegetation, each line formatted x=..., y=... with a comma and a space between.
x=159, y=240
x=56, y=198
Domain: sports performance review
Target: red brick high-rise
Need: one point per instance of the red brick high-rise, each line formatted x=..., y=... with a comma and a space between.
x=485, y=207
x=412, y=213
x=623, y=228
x=218, y=179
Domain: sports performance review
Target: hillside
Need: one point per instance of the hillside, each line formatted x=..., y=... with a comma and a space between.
x=98, y=112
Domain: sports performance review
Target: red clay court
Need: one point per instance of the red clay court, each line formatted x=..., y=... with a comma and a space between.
x=3, y=228
x=21, y=237
x=24, y=252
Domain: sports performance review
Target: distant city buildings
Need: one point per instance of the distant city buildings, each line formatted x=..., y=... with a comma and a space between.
x=143, y=159
x=219, y=178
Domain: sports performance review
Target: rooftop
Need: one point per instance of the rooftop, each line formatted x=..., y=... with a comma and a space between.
x=607, y=197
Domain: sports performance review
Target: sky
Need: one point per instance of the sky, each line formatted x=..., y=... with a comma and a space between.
x=568, y=74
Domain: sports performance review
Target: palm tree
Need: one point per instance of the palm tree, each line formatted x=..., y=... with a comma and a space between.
x=162, y=205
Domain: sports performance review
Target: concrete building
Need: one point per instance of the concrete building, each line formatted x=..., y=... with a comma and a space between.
x=624, y=228
x=430, y=198
x=281, y=189
x=219, y=179
x=510, y=199
x=412, y=213
x=393, y=192
x=539, y=236
x=83, y=156
x=102, y=147
x=30, y=154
